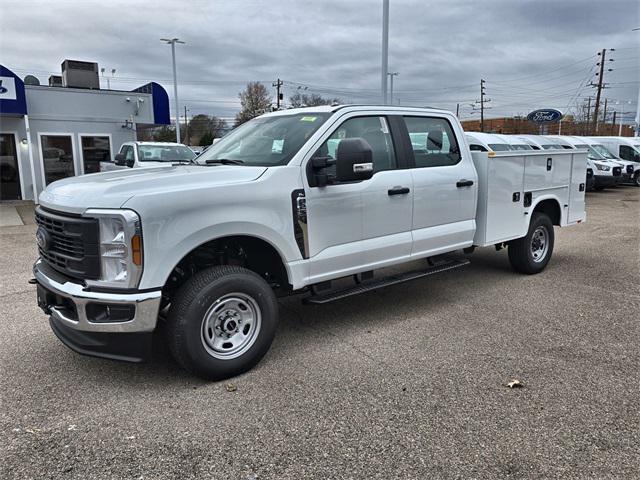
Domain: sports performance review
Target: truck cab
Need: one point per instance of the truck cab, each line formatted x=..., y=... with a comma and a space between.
x=148, y=154
x=294, y=202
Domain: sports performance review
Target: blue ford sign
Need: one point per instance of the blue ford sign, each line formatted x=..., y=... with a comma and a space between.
x=545, y=115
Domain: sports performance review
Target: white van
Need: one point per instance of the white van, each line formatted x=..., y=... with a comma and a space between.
x=487, y=142
x=625, y=148
x=629, y=169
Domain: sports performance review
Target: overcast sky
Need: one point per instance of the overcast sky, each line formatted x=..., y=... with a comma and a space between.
x=532, y=53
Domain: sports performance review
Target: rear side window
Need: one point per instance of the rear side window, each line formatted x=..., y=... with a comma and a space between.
x=432, y=141
x=474, y=147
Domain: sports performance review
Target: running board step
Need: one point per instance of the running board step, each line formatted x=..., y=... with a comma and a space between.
x=384, y=282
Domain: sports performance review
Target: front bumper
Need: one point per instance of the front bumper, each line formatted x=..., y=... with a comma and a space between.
x=70, y=306
x=605, y=181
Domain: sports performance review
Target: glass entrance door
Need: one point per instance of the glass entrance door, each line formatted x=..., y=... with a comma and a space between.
x=9, y=173
x=57, y=155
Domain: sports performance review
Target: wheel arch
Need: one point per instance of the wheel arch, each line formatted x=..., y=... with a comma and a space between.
x=550, y=206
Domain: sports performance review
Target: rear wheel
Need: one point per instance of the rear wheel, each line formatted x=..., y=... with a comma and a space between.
x=222, y=322
x=636, y=180
x=531, y=253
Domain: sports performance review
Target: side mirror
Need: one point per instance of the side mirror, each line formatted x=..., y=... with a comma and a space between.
x=119, y=159
x=354, y=160
x=129, y=162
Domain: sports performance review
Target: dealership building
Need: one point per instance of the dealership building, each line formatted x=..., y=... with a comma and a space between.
x=68, y=126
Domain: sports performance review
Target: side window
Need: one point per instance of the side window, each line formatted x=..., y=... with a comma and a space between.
x=474, y=147
x=433, y=142
x=628, y=153
x=127, y=150
x=372, y=129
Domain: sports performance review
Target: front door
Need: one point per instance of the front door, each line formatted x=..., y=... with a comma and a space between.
x=445, y=187
x=9, y=171
x=360, y=225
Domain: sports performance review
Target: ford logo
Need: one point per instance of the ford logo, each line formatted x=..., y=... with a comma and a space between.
x=545, y=115
x=43, y=238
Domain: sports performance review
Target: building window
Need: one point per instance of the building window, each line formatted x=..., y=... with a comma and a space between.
x=57, y=157
x=95, y=150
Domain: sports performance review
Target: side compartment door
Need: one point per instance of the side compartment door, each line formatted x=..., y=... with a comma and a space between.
x=445, y=187
x=361, y=225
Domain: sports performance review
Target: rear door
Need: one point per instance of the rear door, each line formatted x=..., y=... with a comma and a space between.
x=360, y=225
x=444, y=186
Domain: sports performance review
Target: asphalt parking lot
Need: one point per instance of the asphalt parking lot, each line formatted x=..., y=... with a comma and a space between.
x=406, y=382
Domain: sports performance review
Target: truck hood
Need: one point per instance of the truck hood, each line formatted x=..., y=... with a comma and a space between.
x=113, y=189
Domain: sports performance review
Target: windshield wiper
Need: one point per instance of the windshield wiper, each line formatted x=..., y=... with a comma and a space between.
x=181, y=161
x=223, y=161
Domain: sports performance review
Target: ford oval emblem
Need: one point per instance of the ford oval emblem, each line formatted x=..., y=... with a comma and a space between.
x=545, y=115
x=43, y=238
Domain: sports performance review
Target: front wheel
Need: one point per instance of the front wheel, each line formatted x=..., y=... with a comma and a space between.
x=222, y=322
x=531, y=253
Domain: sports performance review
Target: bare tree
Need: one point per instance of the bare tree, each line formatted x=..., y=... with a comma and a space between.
x=311, y=100
x=255, y=100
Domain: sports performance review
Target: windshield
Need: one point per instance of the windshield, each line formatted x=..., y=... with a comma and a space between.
x=499, y=147
x=164, y=153
x=266, y=141
x=603, y=152
x=521, y=146
x=592, y=155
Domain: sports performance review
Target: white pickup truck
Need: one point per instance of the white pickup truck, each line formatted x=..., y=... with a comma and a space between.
x=287, y=203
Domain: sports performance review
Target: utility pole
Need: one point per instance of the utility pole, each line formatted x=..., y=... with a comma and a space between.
x=588, y=117
x=604, y=116
x=385, y=51
x=391, y=75
x=600, y=85
x=278, y=83
x=481, y=105
x=186, y=126
x=173, y=42
x=613, y=122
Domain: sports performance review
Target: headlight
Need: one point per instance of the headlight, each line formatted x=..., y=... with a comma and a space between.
x=120, y=248
x=604, y=168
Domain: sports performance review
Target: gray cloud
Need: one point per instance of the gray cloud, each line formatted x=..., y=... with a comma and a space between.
x=532, y=53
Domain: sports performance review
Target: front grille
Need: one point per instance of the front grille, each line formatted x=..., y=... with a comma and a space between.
x=617, y=171
x=629, y=169
x=72, y=246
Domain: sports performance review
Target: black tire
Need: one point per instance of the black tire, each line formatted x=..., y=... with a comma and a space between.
x=599, y=188
x=521, y=254
x=193, y=303
x=636, y=180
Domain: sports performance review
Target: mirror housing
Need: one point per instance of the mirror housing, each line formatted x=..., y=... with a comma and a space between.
x=354, y=160
x=129, y=163
x=119, y=159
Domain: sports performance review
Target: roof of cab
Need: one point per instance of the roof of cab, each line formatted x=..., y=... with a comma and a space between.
x=354, y=108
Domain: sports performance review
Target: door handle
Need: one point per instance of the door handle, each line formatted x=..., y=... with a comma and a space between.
x=464, y=183
x=398, y=191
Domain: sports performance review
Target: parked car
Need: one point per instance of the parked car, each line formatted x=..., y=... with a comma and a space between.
x=273, y=209
x=149, y=154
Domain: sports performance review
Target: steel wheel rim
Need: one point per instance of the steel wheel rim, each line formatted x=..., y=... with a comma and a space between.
x=539, y=244
x=230, y=326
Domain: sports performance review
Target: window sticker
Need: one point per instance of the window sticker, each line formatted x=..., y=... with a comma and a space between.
x=308, y=119
x=383, y=124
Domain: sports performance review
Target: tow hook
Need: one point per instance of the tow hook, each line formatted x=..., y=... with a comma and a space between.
x=32, y=281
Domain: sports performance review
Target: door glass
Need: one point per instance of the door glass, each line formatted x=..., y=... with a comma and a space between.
x=9, y=174
x=372, y=129
x=94, y=151
x=432, y=141
x=57, y=154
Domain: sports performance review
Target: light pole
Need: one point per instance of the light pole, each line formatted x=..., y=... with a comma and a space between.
x=391, y=75
x=113, y=74
x=385, y=50
x=173, y=42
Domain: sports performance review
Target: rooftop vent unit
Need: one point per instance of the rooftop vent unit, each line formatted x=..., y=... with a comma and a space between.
x=55, y=81
x=77, y=74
